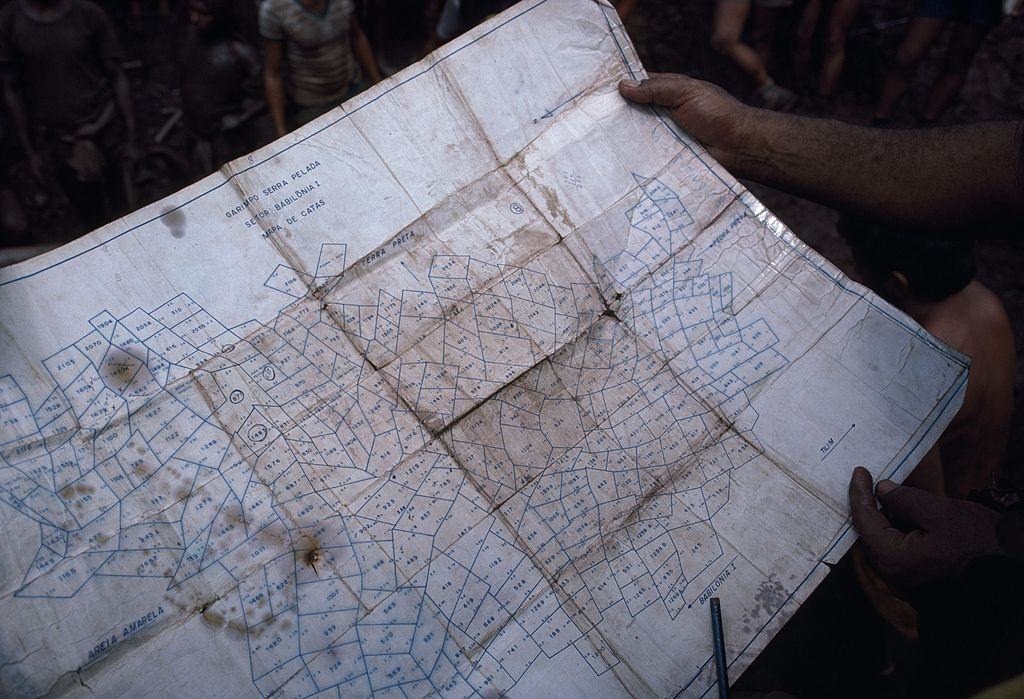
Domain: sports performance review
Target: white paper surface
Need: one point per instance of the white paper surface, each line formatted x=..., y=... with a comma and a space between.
x=483, y=383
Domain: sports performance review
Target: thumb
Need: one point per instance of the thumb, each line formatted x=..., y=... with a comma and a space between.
x=875, y=529
x=663, y=90
x=912, y=505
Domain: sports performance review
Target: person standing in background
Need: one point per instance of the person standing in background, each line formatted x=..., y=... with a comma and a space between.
x=972, y=20
x=727, y=39
x=311, y=51
x=69, y=100
x=219, y=85
x=840, y=17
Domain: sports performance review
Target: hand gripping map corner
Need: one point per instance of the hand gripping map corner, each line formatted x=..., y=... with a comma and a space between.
x=378, y=591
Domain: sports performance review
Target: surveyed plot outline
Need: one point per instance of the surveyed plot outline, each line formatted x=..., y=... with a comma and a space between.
x=446, y=520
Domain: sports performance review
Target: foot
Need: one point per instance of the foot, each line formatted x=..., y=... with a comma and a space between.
x=774, y=97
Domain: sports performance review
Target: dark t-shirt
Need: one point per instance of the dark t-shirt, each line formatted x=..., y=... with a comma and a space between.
x=216, y=77
x=63, y=67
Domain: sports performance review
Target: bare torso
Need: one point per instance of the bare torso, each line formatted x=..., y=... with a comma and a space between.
x=970, y=452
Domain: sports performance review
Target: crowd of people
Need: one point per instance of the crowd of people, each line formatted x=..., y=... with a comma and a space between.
x=248, y=71
x=969, y=22
x=911, y=203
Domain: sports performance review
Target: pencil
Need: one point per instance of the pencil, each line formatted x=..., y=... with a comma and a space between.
x=719, y=638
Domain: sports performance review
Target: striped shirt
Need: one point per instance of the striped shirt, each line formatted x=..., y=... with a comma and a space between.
x=318, y=58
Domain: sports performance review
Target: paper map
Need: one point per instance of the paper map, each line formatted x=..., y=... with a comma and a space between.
x=482, y=384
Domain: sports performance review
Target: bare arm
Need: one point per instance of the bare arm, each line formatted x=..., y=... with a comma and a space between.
x=938, y=178
x=19, y=120
x=364, y=52
x=109, y=52
x=16, y=110
x=273, y=83
x=965, y=179
x=250, y=105
x=123, y=95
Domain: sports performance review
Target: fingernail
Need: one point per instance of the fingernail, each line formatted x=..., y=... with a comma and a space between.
x=885, y=487
x=629, y=83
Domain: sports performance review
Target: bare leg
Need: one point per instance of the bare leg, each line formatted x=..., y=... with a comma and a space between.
x=962, y=46
x=726, y=39
x=922, y=33
x=805, y=37
x=762, y=31
x=839, y=21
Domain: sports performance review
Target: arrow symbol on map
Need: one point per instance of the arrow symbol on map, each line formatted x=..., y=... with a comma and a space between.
x=554, y=110
x=401, y=262
x=831, y=447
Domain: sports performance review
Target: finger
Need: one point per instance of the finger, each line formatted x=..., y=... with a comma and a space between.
x=914, y=506
x=875, y=529
x=673, y=76
x=667, y=90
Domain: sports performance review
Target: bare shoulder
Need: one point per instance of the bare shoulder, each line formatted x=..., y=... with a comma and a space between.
x=975, y=323
x=987, y=307
x=985, y=334
x=974, y=444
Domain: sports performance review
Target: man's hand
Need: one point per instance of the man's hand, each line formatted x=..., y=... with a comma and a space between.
x=937, y=536
x=705, y=111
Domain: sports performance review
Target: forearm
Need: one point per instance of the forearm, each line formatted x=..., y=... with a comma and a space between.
x=938, y=178
x=123, y=96
x=274, y=87
x=364, y=54
x=19, y=121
